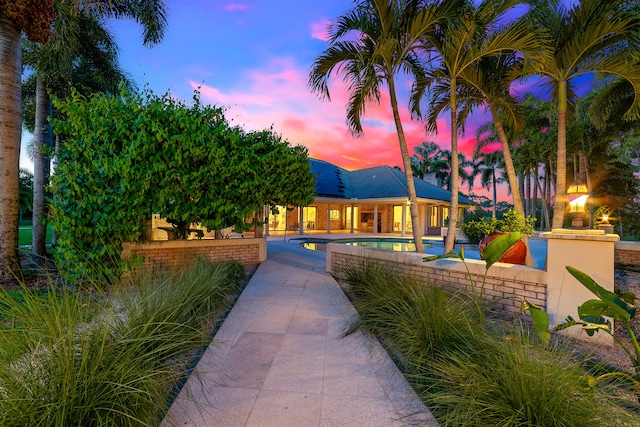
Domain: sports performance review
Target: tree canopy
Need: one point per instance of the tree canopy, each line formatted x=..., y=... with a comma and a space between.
x=162, y=155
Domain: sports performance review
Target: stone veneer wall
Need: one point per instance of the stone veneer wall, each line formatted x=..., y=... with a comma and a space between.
x=505, y=281
x=627, y=253
x=171, y=254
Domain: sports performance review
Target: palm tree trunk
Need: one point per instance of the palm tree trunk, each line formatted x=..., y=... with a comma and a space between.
x=42, y=142
x=511, y=175
x=10, y=134
x=508, y=161
x=544, y=216
x=495, y=192
x=534, y=201
x=454, y=184
x=408, y=173
x=561, y=158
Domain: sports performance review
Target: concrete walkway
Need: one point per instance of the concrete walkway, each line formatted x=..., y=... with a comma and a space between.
x=278, y=359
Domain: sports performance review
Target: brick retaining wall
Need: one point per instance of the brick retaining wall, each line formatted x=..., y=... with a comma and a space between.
x=507, y=282
x=163, y=255
x=627, y=254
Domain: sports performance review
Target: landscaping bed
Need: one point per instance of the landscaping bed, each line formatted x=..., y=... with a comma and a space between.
x=493, y=372
x=83, y=356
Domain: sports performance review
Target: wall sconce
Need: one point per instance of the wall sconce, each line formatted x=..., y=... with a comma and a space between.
x=578, y=194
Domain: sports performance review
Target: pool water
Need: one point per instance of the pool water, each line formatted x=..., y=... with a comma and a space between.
x=537, y=247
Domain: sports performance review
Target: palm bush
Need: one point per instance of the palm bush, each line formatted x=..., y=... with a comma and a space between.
x=74, y=361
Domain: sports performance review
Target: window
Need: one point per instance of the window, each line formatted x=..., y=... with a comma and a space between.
x=445, y=215
x=334, y=214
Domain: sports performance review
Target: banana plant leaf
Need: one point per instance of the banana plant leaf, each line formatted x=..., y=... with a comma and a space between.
x=616, y=307
x=498, y=246
x=540, y=320
x=452, y=254
x=589, y=327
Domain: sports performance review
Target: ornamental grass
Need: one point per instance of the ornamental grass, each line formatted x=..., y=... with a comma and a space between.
x=67, y=359
x=472, y=373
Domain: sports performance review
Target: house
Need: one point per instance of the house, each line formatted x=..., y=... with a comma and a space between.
x=358, y=200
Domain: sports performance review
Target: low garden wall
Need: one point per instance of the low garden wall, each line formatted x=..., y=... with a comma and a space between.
x=170, y=254
x=507, y=282
x=627, y=254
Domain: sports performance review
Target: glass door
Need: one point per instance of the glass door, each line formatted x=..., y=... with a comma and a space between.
x=356, y=217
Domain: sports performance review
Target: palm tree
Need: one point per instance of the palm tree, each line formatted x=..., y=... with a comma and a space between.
x=34, y=18
x=387, y=36
x=490, y=163
x=77, y=41
x=422, y=161
x=461, y=44
x=590, y=37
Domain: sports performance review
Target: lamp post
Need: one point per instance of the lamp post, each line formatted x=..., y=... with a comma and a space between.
x=578, y=194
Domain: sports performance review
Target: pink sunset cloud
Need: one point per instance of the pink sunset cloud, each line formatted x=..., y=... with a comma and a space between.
x=277, y=95
x=320, y=30
x=234, y=7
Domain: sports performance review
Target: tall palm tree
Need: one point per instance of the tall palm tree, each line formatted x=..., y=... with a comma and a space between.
x=35, y=23
x=461, y=44
x=387, y=36
x=423, y=160
x=77, y=41
x=34, y=18
x=590, y=37
x=491, y=164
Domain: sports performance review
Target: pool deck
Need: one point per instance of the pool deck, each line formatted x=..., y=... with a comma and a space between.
x=279, y=358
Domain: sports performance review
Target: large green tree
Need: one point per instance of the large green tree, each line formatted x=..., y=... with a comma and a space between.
x=372, y=46
x=476, y=33
x=162, y=155
x=591, y=36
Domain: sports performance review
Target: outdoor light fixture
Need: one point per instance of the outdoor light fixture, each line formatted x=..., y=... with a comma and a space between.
x=578, y=194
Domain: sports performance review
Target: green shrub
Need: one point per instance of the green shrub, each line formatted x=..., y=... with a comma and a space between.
x=510, y=221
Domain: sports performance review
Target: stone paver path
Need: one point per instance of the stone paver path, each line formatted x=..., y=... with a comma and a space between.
x=278, y=359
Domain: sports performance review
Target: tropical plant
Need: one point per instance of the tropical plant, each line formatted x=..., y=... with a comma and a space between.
x=594, y=316
x=490, y=254
x=461, y=44
x=388, y=34
x=489, y=164
x=589, y=37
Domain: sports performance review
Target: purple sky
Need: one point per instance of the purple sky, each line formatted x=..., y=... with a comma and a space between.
x=253, y=57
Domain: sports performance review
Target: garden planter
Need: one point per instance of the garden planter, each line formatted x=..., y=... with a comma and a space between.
x=516, y=254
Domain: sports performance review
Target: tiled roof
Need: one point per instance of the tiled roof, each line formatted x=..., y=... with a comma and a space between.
x=372, y=183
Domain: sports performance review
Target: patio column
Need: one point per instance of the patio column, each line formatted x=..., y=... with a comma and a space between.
x=352, y=215
x=328, y=218
x=404, y=222
x=267, y=213
x=590, y=251
x=300, y=220
x=375, y=219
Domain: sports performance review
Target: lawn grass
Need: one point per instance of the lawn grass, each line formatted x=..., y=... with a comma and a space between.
x=113, y=360
x=474, y=374
x=25, y=233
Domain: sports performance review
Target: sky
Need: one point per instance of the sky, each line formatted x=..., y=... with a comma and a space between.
x=253, y=57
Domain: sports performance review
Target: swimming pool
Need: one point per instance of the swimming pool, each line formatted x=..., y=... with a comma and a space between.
x=538, y=247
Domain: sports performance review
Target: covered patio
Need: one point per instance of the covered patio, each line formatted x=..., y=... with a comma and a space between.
x=373, y=200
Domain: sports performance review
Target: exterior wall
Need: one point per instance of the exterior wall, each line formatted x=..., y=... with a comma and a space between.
x=508, y=282
x=627, y=253
x=163, y=255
